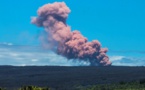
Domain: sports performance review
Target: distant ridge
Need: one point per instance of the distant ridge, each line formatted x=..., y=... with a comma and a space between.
x=56, y=76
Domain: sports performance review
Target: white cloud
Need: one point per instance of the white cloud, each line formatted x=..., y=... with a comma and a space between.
x=28, y=55
x=6, y=43
x=14, y=54
x=9, y=44
x=25, y=55
x=34, y=60
x=116, y=58
x=127, y=61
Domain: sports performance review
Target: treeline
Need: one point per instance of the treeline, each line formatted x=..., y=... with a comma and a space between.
x=30, y=88
x=120, y=86
x=134, y=85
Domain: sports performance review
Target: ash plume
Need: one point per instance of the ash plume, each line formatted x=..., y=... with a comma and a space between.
x=70, y=44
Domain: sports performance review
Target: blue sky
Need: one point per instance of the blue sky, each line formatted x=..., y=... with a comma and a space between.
x=117, y=24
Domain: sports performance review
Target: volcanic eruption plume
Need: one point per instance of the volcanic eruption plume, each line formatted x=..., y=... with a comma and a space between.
x=70, y=44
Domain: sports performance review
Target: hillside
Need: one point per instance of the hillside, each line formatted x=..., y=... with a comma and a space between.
x=59, y=76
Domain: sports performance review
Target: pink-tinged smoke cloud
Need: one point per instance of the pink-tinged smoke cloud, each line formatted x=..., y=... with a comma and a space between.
x=72, y=45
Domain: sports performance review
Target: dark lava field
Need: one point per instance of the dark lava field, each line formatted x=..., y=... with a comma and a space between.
x=61, y=76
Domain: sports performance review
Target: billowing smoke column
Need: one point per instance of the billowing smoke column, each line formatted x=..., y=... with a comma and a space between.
x=72, y=45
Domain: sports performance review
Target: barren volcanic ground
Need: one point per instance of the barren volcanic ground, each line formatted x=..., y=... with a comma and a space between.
x=59, y=76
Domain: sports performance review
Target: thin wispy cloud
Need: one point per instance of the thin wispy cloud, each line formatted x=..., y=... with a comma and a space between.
x=127, y=61
x=128, y=51
x=33, y=55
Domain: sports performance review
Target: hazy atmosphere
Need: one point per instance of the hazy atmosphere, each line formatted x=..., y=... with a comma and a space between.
x=117, y=25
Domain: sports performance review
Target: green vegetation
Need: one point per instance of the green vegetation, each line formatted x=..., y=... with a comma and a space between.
x=114, y=87
x=122, y=85
x=2, y=88
x=29, y=88
x=33, y=88
x=140, y=85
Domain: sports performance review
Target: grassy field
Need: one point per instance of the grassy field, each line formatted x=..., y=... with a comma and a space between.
x=68, y=78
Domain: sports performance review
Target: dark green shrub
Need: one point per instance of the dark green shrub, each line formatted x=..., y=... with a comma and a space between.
x=2, y=88
x=33, y=88
x=142, y=81
x=122, y=82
